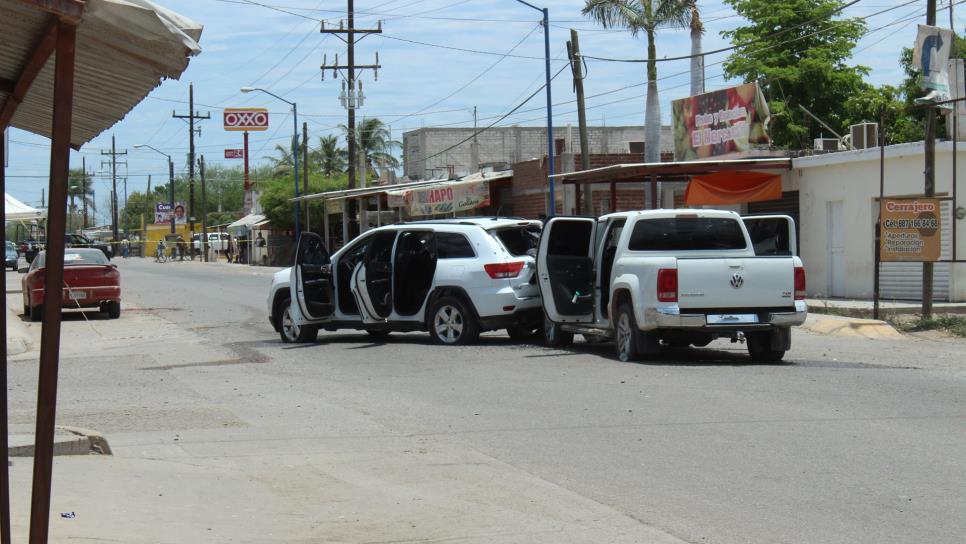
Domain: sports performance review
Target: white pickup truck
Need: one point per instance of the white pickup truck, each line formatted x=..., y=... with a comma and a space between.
x=672, y=277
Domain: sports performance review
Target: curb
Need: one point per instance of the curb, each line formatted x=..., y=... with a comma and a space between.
x=851, y=327
x=67, y=441
x=18, y=341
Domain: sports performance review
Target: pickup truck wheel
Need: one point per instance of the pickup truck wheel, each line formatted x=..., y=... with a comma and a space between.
x=553, y=337
x=759, y=348
x=37, y=312
x=626, y=343
x=292, y=333
x=452, y=324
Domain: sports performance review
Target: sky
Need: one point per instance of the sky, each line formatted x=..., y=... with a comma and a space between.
x=440, y=59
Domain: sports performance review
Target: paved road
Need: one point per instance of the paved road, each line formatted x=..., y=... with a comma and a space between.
x=229, y=435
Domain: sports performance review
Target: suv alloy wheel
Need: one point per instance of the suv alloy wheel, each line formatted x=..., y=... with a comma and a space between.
x=452, y=323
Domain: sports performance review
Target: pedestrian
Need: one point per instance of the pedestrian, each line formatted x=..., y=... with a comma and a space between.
x=260, y=240
x=242, y=250
x=182, y=247
x=125, y=246
x=229, y=251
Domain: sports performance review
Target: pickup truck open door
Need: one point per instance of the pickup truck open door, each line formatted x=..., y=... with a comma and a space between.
x=311, y=280
x=565, y=268
x=772, y=234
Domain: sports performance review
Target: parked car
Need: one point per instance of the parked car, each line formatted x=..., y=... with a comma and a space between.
x=90, y=281
x=672, y=277
x=453, y=278
x=12, y=255
x=79, y=240
x=217, y=241
x=29, y=249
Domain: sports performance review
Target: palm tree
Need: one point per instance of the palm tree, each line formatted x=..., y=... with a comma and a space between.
x=284, y=162
x=80, y=186
x=645, y=16
x=375, y=140
x=328, y=158
x=697, y=59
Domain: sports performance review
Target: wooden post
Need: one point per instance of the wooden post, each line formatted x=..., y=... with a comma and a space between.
x=4, y=471
x=53, y=280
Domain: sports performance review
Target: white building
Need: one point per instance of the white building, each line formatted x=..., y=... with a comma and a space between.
x=837, y=203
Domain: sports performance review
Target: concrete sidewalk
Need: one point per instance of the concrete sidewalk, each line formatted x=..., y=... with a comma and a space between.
x=863, y=308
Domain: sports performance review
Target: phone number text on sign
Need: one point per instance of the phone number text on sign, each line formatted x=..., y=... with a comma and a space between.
x=245, y=119
x=911, y=230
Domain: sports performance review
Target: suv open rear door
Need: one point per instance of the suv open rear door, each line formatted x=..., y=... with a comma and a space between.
x=311, y=281
x=772, y=234
x=565, y=268
x=372, y=279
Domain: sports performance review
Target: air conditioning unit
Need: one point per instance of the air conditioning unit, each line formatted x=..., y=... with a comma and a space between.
x=864, y=135
x=826, y=144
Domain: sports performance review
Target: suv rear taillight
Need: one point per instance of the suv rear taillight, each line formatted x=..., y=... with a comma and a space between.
x=504, y=270
x=799, y=283
x=667, y=285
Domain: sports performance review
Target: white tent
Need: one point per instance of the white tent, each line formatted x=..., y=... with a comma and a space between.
x=18, y=211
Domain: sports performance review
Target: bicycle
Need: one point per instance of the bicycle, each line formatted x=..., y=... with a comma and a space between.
x=159, y=256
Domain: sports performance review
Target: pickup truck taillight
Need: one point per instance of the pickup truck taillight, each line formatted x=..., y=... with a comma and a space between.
x=799, y=283
x=667, y=285
x=504, y=270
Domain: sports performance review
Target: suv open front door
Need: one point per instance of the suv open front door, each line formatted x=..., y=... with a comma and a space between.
x=565, y=267
x=313, y=279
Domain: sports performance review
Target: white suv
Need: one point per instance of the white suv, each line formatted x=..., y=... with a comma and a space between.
x=454, y=278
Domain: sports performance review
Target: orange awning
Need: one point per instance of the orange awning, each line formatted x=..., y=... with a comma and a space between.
x=733, y=188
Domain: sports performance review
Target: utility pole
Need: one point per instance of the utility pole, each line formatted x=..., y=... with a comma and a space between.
x=584, y=192
x=204, y=210
x=84, y=189
x=192, y=115
x=351, y=100
x=113, y=153
x=305, y=174
x=474, y=147
x=930, y=177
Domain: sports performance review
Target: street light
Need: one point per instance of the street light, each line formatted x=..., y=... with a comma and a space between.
x=546, y=59
x=170, y=179
x=295, y=150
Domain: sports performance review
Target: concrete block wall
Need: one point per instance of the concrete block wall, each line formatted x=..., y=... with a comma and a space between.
x=424, y=156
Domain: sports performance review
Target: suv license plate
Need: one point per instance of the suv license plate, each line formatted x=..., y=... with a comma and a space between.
x=78, y=295
x=728, y=319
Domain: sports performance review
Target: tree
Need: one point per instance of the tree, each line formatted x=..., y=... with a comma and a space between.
x=284, y=162
x=328, y=158
x=375, y=140
x=808, y=65
x=277, y=193
x=80, y=186
x=645, y=16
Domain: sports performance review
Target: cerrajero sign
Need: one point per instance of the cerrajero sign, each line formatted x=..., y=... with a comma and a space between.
x=910, y=229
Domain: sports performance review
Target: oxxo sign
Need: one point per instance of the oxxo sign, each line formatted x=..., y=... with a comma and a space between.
x=910, y=229
x=245, y=119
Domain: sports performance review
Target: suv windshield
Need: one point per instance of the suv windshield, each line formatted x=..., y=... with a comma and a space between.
x=687, y=233
x=519, y=240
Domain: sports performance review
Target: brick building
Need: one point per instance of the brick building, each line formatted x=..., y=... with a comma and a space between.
x=426, y=152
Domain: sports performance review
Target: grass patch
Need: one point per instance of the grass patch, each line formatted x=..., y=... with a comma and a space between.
x=953, y=324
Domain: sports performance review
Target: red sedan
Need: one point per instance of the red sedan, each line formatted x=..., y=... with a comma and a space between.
x=90, y=281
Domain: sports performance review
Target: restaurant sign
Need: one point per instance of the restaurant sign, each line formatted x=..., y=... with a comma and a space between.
x=910, y=229
x=441, y=198
x=720, y=122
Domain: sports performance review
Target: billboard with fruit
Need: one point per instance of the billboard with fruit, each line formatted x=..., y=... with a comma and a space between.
x=720, y=122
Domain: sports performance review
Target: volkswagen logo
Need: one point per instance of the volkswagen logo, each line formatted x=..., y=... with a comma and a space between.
x=737, y=281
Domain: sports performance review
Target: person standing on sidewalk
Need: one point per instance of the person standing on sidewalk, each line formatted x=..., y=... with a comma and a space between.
x=229, y=251
x=125, y=246
x=182, y=247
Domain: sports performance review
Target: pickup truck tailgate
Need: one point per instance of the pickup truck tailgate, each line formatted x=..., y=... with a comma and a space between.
x=754, y=282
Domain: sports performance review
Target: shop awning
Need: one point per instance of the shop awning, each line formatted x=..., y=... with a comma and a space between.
x=733, y=188
x=443, y=197
x=124, y=48
x=18, y=211
x=248, y=221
